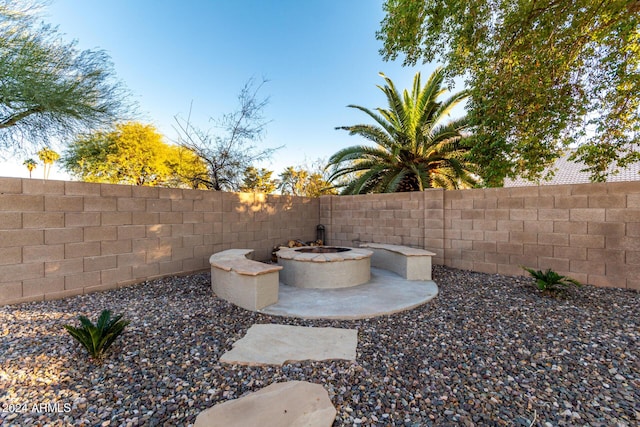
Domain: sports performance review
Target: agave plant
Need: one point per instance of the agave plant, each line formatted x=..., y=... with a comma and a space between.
x=550, y=281
x=99, y=337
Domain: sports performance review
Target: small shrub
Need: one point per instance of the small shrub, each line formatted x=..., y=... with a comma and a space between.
x=550, y=281
x=99, y=337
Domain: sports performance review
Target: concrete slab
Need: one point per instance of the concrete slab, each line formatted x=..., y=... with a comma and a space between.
x=279, y=344
x=385, y=293
x=287, y=404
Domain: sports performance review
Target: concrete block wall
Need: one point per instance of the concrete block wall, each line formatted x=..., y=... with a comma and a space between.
x=409, y=219
x=59, y=238
x=588, y=231
x=398, y=219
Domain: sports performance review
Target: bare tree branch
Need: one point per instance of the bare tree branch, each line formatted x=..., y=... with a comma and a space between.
x=229, y=153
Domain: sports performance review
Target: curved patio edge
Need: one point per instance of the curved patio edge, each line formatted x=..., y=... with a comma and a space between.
x=386, y=293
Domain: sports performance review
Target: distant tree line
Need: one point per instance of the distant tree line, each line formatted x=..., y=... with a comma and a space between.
x=540, y=76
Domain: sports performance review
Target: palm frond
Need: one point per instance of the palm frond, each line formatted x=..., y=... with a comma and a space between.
x=363, y=183
x=390, y=182
x=380, y=120
x=355, y=167
x=373, y=133
x=357, y=152
x=423, y=176
x=415, y=149
x=450, y=103
x=551, y=281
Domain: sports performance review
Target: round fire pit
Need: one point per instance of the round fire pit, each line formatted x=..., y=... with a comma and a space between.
x=324, y=267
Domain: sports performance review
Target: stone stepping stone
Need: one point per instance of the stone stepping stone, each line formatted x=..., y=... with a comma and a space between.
x=287, y=404
x=266, y=344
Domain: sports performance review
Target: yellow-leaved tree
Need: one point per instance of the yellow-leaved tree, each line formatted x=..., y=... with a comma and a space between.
x=133, y=153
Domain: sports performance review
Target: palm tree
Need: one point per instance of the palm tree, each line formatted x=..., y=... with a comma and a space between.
x=31, y=165
x=48, y=157
x=414, y=149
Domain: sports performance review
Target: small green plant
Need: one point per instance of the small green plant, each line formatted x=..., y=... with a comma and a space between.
x=550, y=281
x=99, y=337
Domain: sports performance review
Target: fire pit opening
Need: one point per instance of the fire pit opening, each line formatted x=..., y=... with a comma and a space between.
x=322, y=250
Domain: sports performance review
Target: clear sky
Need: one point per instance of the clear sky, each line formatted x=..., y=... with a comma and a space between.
x=318, y=55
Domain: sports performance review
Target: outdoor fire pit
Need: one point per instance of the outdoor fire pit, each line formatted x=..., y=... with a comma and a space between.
x=324, y=267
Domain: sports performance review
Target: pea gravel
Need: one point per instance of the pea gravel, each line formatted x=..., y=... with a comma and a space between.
x=487, y=351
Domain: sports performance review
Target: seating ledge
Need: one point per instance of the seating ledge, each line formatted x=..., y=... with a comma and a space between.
x=403, y=250
x=235, y=259
x=231, y=254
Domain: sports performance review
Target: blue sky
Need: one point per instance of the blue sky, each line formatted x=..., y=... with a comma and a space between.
x=318, y=55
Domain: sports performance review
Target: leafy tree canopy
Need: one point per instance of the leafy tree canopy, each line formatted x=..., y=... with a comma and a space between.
x=49, y=88
x=317, y=185
x=542, y=74
x=133, y=153
x=306, y=182
x=258, y=181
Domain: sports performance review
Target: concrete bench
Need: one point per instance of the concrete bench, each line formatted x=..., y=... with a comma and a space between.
x=410, y=263
x=244, y=282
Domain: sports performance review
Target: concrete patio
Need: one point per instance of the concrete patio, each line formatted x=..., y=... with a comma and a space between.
x=386, y=293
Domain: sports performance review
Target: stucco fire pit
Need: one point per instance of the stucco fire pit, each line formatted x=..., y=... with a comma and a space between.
x=324, y=267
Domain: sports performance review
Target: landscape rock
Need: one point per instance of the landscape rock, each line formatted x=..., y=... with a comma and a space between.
x=278, y=344
x=482, y=353
x=286, y=404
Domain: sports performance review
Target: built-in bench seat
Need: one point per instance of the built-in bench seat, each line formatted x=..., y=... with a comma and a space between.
x=410, y=263
x=247, y=283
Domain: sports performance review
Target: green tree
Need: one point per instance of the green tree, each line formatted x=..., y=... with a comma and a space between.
x=48, y=157
x=229, y=153
x=304, y=181
x=258, y=180
x=133, y=153
x=291, y=181
x=414, y=148
x=31, y=165
x=48, y=88
x=542, y=75
x=317, y=186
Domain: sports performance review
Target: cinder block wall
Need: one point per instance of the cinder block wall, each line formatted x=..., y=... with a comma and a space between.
x=61, y=238
x=394, y=218
x=588, y=231
x=410, y=219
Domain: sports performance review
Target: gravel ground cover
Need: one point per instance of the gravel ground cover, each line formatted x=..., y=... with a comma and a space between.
x=487, y=351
